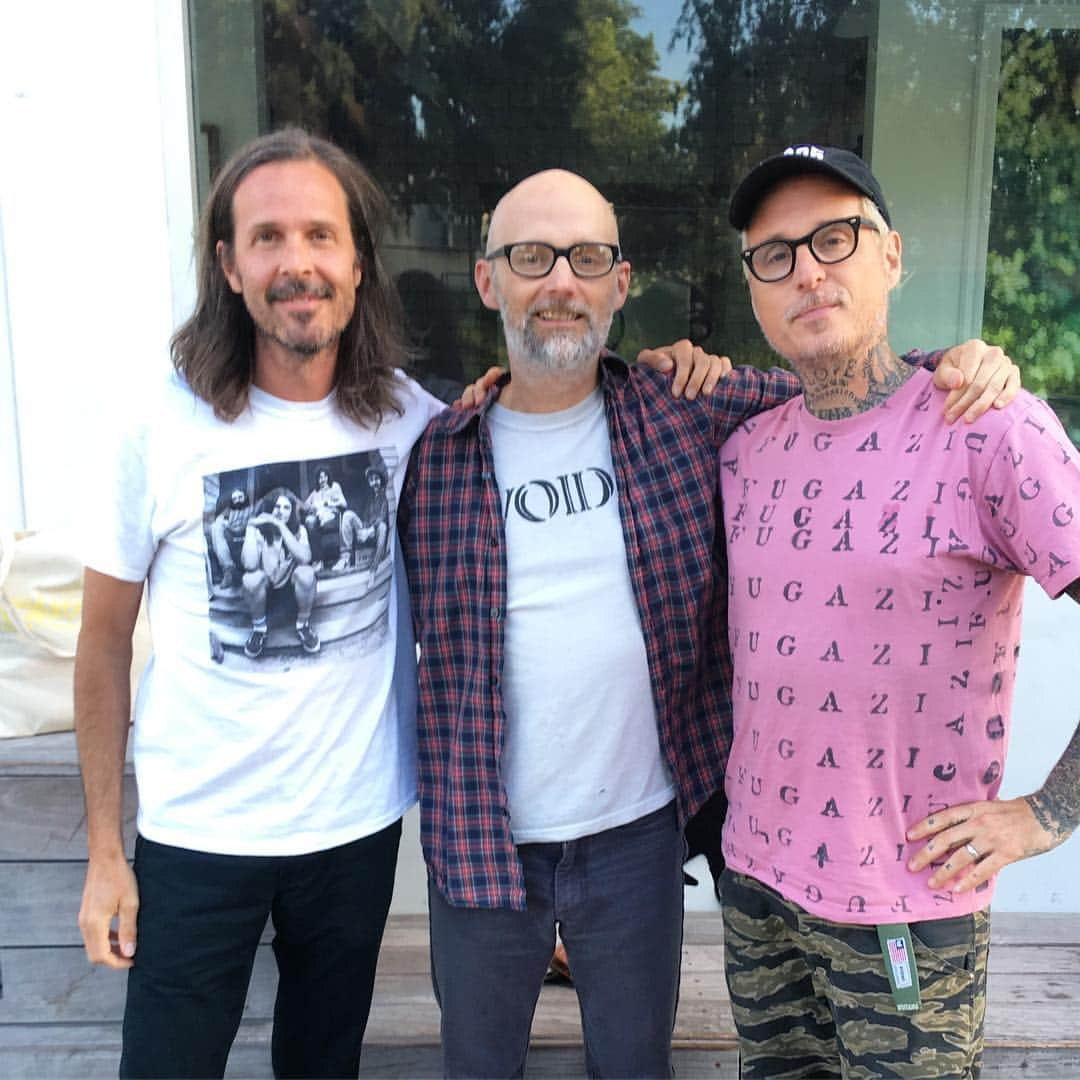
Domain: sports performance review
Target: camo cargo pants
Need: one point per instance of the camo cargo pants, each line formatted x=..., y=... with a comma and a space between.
x=811, y=998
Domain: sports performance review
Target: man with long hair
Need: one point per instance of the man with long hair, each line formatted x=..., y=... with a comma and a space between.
x=276, y=556
x=271, y=783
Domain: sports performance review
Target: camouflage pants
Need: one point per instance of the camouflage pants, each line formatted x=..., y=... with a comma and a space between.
x=811, y=998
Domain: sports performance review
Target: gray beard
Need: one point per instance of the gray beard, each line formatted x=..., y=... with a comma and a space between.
x=553, y=353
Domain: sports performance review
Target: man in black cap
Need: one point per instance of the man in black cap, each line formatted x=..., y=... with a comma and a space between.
x=802, y=160
x=876, y=562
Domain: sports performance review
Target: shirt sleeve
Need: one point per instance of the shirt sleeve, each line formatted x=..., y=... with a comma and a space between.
x=117, y=508
x=1029, y=503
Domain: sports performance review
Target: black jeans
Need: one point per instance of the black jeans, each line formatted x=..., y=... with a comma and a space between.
x=200, y=919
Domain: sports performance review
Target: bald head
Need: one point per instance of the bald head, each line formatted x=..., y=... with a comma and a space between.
x=556, y=322
x=548, y=201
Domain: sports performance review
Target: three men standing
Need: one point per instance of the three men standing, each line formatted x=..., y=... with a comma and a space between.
x=572, y=614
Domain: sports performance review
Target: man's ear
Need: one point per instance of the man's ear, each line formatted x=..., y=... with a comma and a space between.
x=894, y=264
x=485, y=284
x=228, y=266
x=622, y=283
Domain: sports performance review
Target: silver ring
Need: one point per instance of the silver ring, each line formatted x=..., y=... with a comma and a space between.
x=970, y=848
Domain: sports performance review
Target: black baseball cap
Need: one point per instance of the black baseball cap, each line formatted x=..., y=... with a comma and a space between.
x=798, y=160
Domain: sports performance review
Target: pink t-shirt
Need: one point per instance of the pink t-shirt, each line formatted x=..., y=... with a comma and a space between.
x=876, y=571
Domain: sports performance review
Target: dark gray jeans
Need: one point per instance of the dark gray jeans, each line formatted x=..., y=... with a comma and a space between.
x=616, y=897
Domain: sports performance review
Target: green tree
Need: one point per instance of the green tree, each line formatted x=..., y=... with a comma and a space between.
x=1032, y=303
x=621, y=100
x=445, y=98
x=450, y=102
x=752, y=91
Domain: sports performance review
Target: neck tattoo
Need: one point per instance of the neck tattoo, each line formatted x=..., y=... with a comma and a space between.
x=851, y=386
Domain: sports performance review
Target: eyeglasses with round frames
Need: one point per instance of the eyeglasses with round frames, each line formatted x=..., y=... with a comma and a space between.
x=830, y=243
x=533, y=259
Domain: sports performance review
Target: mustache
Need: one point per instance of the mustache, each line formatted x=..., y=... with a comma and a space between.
x=295, y=289
x=823, y=297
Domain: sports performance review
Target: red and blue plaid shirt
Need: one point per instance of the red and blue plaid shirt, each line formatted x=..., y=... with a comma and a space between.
x=665, y=455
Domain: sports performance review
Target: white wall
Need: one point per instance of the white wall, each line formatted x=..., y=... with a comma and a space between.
x=95, y=220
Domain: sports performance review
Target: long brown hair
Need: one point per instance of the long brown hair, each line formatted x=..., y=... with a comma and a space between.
x=215, y=349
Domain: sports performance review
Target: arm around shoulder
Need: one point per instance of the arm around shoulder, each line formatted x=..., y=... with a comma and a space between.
x=102, y=712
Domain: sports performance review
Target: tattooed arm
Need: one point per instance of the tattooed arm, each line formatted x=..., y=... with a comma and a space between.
x=1056, y=805
x=1003, y=831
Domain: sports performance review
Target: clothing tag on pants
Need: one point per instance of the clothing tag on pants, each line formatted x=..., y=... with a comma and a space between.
x=899, y=956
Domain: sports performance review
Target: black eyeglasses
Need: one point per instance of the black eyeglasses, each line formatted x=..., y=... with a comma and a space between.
x=830, y=243
x=533, y=259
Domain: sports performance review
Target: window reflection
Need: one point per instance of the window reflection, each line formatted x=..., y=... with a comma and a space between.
x=664, y=106
x=1032, y=305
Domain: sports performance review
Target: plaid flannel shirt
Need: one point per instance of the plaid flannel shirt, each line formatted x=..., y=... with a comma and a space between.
x=665, y=456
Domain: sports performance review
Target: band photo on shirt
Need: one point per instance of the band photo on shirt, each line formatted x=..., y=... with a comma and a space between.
x=299, y=556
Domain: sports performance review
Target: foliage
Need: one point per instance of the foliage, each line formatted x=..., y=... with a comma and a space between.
x=450, y=102
x=1032, y=303
x=750, y=92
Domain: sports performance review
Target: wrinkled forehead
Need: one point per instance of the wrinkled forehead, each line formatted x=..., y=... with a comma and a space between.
x=557, y=207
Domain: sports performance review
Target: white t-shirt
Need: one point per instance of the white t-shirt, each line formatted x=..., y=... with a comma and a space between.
x=582, y=752
x=286, y=751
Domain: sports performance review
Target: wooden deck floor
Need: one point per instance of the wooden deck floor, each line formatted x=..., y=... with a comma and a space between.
x=60, y=1018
